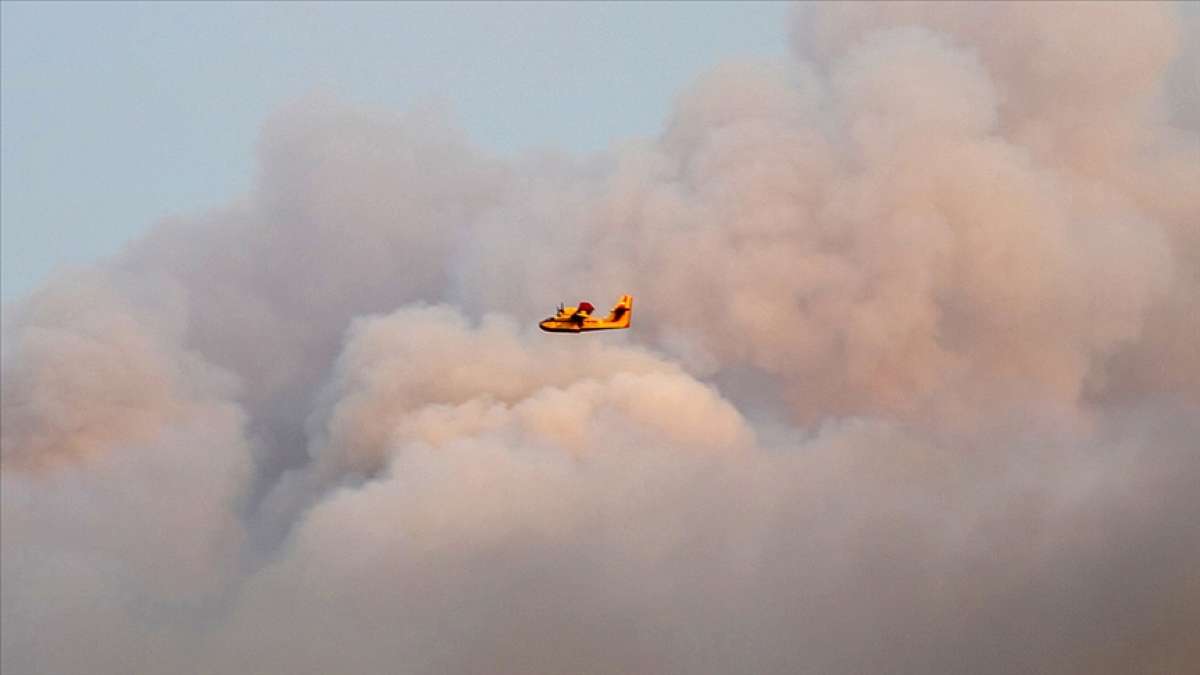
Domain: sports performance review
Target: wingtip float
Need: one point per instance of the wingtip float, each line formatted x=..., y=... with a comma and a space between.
x=579, y=319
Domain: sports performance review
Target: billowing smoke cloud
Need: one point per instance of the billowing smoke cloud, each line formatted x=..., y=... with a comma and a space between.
x=912, y=383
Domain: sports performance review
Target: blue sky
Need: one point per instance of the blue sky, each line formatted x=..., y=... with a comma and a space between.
x=113, y=116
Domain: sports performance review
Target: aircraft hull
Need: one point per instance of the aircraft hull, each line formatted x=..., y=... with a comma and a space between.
x=569, y=327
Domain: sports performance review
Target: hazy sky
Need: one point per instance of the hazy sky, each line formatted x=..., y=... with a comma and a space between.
x=115, y=115
x=910, y=388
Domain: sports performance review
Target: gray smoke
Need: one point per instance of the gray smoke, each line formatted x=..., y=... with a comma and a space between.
x=912, y=383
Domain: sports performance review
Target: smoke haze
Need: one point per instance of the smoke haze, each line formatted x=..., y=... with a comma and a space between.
x=912, y=383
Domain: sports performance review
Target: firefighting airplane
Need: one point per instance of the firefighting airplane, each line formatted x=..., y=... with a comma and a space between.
x=579, y=319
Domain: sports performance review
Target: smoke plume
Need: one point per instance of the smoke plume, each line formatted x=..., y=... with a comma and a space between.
x=911, y=386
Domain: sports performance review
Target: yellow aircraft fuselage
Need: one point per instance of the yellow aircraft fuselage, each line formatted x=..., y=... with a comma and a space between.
x=576, y=320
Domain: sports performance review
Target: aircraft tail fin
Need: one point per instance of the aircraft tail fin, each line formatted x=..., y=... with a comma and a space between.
x=622, y=312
